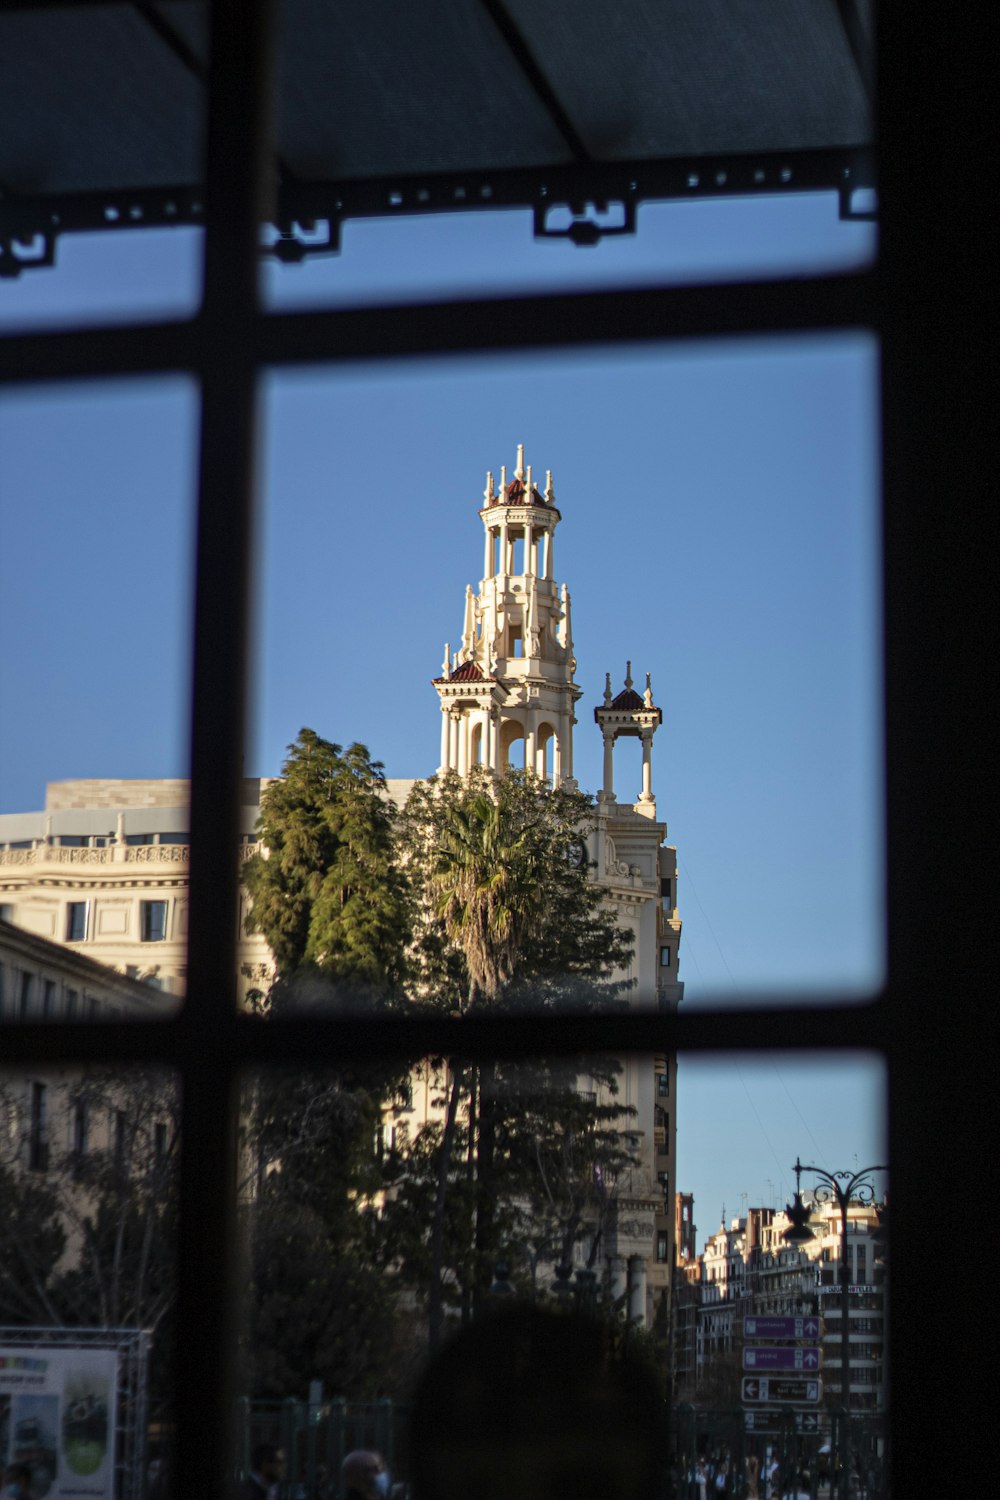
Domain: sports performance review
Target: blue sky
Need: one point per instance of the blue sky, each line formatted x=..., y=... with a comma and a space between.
x=719, y=528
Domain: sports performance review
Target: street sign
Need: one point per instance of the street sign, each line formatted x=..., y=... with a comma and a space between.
x=782, y=1328
x=776, y=1421
x=783, y=1388
x=805, y=1357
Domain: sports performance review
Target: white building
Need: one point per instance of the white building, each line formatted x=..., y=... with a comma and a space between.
x=103, y=868
x=508, y=696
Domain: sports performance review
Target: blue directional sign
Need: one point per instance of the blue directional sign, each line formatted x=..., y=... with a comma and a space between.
x=782, y=1328
x=806, y=1357
x=777, y=1421
x=796, y=1390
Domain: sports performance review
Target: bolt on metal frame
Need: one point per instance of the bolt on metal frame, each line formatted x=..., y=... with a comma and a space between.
x=924, y=302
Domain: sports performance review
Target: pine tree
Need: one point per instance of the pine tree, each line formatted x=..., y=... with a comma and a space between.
x=329, y=898
x=327, y=894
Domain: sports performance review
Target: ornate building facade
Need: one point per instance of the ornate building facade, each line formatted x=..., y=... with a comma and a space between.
x=508, y=697
x=103, y=868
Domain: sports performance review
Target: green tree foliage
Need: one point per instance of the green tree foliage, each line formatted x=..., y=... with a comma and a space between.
x=32, y=1241
x=508, y=918
x=319, y=1310
x=327, y=892
x=507, y=915
x=331, y=901
x=92, y=1240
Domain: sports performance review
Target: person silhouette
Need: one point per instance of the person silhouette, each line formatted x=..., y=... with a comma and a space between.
x=527, y=1404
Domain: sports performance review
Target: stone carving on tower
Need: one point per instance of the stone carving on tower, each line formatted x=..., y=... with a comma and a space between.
x=508, y=693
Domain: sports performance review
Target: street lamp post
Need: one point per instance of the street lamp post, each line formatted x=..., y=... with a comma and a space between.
x=841, y=1188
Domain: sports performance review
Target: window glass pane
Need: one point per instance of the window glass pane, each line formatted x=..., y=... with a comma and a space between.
x=717, y=529
x=97, y=494
x=388, y=1210
x=88, y=1244
x=142, y=275
x=495, y=253
x=101, y=141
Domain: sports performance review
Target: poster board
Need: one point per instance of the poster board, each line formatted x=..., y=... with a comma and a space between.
x=57, y=1414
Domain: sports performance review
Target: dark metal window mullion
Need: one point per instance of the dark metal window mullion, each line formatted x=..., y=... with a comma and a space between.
x=238, y=142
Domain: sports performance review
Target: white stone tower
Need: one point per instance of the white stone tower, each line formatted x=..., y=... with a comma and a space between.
x=508, y=694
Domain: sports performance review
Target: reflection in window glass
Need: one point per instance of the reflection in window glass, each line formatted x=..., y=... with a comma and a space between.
x=708, y=520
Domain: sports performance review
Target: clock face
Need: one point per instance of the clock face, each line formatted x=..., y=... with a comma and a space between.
x=576, y=853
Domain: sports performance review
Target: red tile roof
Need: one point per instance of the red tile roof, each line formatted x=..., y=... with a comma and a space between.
x=516, y=493
x=627, y=700
x=467, y=672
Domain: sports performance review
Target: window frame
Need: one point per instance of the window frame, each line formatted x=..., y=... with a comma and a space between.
x=923, y=302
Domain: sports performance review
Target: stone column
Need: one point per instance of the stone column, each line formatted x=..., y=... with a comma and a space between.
x=608, y=791
x=462, y=733
x=531, y=741
x=504, y=549
x=616, y=1270
x=445, y=737
x=647, y=766
x=488, y=559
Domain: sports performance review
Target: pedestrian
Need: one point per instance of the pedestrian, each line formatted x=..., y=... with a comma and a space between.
x=364, y=1476
x=267, y=1469
x=753, y=1477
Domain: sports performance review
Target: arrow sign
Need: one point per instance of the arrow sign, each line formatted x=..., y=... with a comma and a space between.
x=808, y=1357
x=781, y=1388
x=782, y=1328
x=777, y=1421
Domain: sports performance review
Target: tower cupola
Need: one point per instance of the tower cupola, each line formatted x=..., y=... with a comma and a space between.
x=507, y=696
x=628, y=715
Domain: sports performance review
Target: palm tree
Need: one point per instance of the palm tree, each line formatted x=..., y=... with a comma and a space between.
x=484, y=876
x=483, y=870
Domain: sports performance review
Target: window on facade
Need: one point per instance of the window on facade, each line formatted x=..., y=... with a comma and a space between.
x=661, y=1244
x=664, y=958
x=48, y=998
x=663, y=1085
x=76, y=921
x=153, y=921
x=81, y=1127
x=38, y=1128
x=25, y=989
x=72, y=1003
